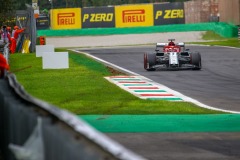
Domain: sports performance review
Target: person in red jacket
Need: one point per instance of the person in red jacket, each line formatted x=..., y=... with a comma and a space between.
x=5, y=34
x=3, y=66
x=14, y=38
x=9, y=29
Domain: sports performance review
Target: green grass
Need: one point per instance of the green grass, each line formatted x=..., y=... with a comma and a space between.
x=210, y=35
x=82, y=89
x=215, y=39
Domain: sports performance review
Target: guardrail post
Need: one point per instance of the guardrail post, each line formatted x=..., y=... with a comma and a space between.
x=239, y=33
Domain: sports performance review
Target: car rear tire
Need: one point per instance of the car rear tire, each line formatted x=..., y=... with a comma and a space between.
x=196, y=60
x=149, y=61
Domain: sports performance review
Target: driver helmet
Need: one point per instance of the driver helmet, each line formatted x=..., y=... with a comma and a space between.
x=171, y=43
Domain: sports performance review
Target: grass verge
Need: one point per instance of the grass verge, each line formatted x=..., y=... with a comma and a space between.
x=82, y=89
x=215, y=39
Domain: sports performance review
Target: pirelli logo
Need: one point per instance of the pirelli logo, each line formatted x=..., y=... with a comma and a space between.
x=130, y=16
x=66, y=18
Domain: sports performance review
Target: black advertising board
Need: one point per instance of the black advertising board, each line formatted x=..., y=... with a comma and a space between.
x=169, y=13
x=42, y=22
x=98, y=17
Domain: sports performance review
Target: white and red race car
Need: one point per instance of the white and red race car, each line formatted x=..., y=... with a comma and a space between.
x=172, y=56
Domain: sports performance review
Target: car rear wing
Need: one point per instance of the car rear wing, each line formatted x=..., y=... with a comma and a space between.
x=181, y=44
x=161, y=44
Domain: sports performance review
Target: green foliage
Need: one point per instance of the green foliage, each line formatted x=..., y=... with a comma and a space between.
x=5, y=11
x=45, y=4
x=20, y=5
x=216, y=39
x=8, y=7
x=231, y=42
x=210, y=35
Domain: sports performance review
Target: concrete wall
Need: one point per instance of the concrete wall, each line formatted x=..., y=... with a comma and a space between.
x=212, y=10
x=230, y=11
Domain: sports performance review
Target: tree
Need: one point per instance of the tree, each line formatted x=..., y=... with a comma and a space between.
x=6, y=11
x=45, y=4
x=20, y=5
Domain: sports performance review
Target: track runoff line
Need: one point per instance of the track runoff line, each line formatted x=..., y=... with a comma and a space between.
x=139, y=86
x=143, y=88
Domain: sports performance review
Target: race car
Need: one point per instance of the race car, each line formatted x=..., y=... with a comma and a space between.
x=172, y=56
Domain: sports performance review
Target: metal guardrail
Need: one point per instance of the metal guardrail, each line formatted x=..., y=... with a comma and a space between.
x=61, y=135
x=6, y=53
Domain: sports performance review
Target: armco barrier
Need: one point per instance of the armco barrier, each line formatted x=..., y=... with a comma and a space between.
x=61, y=135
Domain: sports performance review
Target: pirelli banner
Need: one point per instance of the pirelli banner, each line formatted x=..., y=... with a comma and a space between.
x=98, y=17
x=169, y=13
x=118, y=16
x=134, y=15
x=66, y=18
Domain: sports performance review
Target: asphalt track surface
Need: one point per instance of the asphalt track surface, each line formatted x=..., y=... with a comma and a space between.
x=216, y=85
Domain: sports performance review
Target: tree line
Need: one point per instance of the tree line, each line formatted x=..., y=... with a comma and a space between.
x=94, y=3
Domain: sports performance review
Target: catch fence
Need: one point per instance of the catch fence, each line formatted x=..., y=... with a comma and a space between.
x=25, y=19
